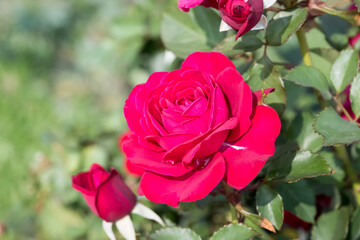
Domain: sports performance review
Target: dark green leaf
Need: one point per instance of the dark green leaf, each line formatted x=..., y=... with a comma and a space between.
x=234, y=232
x=335, y=30
x=302, y=132
x=329, y=54
x=355, y=95
x=269, y=204
x=263, y=75
x=299, y=199
x=310, y=77
x=336, y=165
x=344, y=69
x=174, y=233
x=293, y=166
x=355, y=225
x=284, y=24
x=247, y=43
x=334, y=129
x=197, y=30
x=332, y=225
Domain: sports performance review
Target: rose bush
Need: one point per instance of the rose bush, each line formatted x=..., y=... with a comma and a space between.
x=105, y=193
x=195, y=126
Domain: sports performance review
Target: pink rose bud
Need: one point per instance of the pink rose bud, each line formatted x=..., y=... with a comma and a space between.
x=106, y=193
x=195, y=126
x=241, y=15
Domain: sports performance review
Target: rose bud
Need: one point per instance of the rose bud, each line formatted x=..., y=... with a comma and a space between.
x=105, y=192
x=243, y=15
x=196, y=126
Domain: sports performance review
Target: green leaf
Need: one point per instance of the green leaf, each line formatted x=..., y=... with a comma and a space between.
x=197, y=30
x=335, y=30
x=247, y=43
x=336, y=130
x=336, y=165
x=234, y=232
x=332, y=225
x=263, y=75
x=329, y=54
x=302, y=132
x=355, y=95
x=355, y=225
x=284, y=24
x=269, y=204
x=310, y=77
x=344, y=69
x=293, y=166
x=299, y=199
x=174, y=233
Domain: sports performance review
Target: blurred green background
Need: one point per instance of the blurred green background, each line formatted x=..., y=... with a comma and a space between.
x=66, y=68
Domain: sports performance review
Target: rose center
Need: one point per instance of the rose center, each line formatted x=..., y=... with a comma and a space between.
x=241, y=10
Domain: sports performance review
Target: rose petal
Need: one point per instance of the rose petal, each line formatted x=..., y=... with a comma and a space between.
x=114, y=208
x=245, y=157
x=261, y=24
x=150, y=160
x=212, y=143
x=219, y=108
x=268, y=3
x=224, y=26
x=190, y=187
x=186, y=4
x=212, y=63
x=185, y=152
x=239, y=97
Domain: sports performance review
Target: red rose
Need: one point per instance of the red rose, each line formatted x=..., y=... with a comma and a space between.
x=106, y=193
x=241, y=15
x=195, y=126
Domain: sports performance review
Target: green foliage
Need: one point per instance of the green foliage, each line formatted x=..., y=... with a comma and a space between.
x=355, y=225
x=332, y=225
x=234, y=232
x=299, y=199
x=293, y=166
x=185, y=33
x=174, y=233
x=264, y=75
x=301, y=130
x=334, y=129
x=284, y=24
x=310, y=77
x=355, y=96
x=344, y=69
x=269, y=204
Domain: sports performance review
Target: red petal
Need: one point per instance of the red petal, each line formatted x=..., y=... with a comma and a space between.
x=249, y=154
x=239, y=98
x=114, y=199
x=212, y=63
x=150, y=160
x=190, y=187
